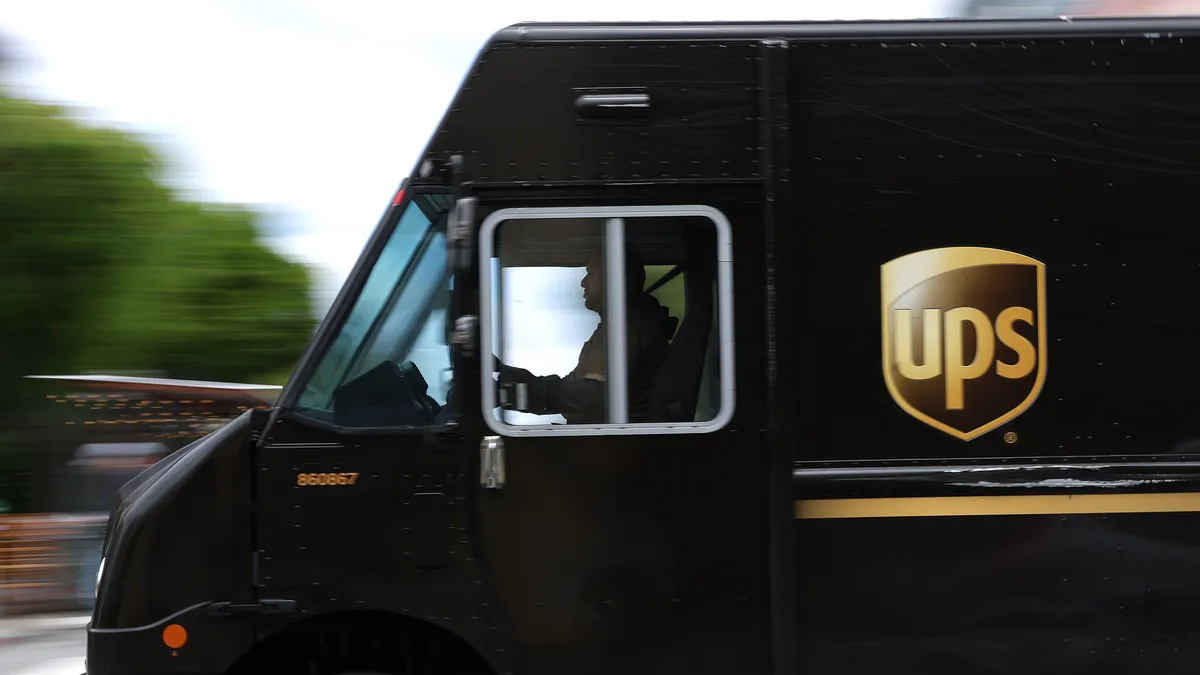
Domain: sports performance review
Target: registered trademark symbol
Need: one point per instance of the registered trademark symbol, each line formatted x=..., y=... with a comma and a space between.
x=1010, y=437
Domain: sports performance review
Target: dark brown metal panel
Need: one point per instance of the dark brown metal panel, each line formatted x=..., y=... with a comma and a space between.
x=395, y=540
x=515, y=118
x=1072, y=151
x=1001, y=594
x=779, y=286
x=180, y=542
x=642, y=554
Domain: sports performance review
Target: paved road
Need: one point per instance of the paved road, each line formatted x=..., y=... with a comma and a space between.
x=55, y=653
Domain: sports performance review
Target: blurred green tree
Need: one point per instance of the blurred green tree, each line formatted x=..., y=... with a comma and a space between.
x=104, y=268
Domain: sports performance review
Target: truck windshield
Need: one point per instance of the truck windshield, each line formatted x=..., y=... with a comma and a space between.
x=399, y=317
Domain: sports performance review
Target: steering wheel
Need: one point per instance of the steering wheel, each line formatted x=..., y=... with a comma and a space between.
x=388, y=395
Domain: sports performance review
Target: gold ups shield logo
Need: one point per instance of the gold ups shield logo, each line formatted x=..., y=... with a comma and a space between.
x=964, y=336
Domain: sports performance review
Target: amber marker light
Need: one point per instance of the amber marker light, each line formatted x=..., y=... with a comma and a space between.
x=175, y=636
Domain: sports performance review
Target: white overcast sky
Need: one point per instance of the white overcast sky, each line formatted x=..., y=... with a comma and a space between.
x=312, y=110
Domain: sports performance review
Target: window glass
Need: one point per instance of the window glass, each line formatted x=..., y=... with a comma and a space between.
x=542, y=323
x=556, y=326
x=413, y=310
x=666, y=283
x=390, y=364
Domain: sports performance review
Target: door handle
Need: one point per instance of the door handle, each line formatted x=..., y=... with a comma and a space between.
x=491, y=462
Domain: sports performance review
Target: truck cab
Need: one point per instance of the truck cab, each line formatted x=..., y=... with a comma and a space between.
x=722, y=348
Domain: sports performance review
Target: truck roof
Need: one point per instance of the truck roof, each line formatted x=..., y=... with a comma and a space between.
x=535, y=31
x=529, y=114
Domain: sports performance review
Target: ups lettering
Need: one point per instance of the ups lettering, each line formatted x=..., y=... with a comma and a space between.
x=955, y=366
x=964, y=336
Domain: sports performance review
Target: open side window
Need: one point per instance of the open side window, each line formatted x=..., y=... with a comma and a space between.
x=578, y=355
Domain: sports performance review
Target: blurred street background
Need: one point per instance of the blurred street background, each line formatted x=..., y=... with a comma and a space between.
x=173, y=210
x=52, y=644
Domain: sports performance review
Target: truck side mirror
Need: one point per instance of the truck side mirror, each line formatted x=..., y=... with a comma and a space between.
x=460, y=235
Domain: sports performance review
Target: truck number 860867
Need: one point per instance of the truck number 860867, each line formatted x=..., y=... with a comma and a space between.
x=315, y=479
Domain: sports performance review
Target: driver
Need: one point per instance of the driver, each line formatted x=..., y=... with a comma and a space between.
x=581, y=396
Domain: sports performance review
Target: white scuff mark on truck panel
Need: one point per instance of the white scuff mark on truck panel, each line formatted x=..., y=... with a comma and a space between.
x=1069, y=483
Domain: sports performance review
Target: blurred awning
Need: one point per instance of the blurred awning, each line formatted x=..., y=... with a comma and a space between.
x=228, y=391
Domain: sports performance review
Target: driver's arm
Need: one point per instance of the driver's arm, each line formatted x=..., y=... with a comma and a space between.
x=568, y=396
x=581, y=394
x=550, y=394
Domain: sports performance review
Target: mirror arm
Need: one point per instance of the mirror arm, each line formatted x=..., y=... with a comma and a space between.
x=460, y=257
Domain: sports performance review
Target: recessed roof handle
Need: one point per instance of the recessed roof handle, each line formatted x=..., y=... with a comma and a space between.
x=625, y=104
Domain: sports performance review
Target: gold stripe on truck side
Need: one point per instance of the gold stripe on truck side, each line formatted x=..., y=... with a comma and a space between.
x=997, y=505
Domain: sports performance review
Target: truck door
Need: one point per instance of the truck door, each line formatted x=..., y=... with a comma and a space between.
x=621, y=509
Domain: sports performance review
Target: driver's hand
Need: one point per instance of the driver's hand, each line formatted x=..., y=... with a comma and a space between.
x=509, y=374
